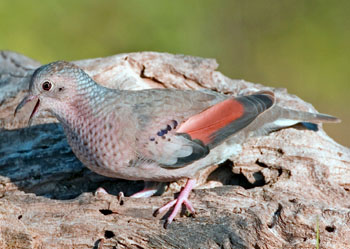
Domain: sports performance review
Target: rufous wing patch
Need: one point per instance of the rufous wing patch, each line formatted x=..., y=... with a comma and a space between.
x=206, y=123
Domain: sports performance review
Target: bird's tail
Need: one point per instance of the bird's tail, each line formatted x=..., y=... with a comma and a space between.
x=287, y=117
x=310, y=117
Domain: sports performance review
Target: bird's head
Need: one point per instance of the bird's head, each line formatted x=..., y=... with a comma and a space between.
x=53, y=86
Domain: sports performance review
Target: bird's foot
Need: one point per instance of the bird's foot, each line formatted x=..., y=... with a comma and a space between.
x=101, y=192
x=177, y=203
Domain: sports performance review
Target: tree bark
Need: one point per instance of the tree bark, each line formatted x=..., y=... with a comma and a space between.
x=274, y=194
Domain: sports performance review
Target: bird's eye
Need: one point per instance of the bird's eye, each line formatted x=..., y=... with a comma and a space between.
x=47, y=86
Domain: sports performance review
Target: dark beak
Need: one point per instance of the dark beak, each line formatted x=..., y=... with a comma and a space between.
x=25, y=101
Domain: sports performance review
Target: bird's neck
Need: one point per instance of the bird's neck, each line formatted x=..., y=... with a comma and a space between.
x=87, y=105
x=88, y=90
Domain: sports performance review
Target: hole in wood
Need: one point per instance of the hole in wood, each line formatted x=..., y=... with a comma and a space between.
x=280, y=171
x=106, y=211
x=280, y=151
x=261, y=164
x=109, y=234
x=330, y=229
x=230, y=178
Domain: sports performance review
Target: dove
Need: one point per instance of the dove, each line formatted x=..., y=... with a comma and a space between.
x=155, y=135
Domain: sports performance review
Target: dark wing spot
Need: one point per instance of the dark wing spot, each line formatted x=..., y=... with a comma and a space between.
x=175, y=124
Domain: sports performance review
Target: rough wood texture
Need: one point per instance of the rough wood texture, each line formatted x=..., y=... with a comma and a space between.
x=271, y=196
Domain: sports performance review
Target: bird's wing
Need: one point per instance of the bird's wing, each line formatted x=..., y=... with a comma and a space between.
x=224, y=119
x=174, y=144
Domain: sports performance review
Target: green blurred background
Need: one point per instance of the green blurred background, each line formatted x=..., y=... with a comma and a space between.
x=302, y=45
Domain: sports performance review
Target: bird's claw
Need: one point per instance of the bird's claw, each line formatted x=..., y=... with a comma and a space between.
x=177, y=203
x=120, y=198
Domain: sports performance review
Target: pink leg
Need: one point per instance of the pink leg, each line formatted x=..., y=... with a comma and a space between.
x=146, y=192
x=150, y=189
x=182, y=199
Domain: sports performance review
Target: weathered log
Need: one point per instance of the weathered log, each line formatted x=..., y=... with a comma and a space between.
x=272, y=195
